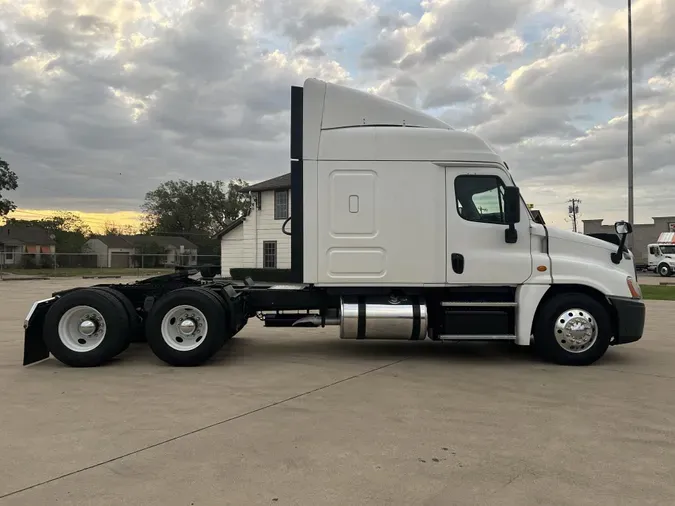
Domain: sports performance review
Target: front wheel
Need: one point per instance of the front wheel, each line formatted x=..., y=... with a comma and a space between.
x=572, y=329
x=187, y=326
x=664, y=270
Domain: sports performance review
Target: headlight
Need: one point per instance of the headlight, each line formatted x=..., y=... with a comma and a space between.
x=634, y=288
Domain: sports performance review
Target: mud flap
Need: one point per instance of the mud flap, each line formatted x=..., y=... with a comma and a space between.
x=34, y=347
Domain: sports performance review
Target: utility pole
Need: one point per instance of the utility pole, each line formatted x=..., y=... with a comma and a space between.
x=573, y=211
x=630, y=121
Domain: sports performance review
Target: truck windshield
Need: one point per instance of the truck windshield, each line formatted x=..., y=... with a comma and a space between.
x=668, y=250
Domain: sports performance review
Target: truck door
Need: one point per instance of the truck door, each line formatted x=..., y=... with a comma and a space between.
x=652, y=257
x=477, y=252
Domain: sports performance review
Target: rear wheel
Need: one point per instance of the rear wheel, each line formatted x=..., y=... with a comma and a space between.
x=572, y=329
x=187, y=327
x=86, y=328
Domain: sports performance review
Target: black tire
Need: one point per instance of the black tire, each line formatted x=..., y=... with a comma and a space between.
x=545, y=342
x=210, y=343
x=664, y=270
x=116, y=338
x=136, y=328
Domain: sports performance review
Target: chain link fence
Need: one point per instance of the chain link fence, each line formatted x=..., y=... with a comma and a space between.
x=112, y=263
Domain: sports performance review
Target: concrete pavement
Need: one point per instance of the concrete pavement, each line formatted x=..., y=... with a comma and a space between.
x=300, y=417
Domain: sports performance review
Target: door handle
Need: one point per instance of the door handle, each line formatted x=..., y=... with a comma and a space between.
x=457, y=261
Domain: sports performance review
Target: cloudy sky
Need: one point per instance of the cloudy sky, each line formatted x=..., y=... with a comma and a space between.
x=101, y=100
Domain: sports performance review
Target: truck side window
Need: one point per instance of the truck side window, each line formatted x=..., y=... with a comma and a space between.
x=480, y=198
x=652, y=250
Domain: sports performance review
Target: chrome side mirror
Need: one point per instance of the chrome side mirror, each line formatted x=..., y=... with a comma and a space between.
x=623, y=228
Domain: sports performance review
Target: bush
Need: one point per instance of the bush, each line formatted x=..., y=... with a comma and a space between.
x=261, y=275
x=47, y=262
x=28, y=261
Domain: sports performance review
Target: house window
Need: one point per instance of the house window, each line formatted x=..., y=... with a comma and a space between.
x=480, y=198
x=8, y=254
x=270, y=254
x=280, y=204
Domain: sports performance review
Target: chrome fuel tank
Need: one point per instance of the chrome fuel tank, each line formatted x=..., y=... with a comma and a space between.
x=386, y=317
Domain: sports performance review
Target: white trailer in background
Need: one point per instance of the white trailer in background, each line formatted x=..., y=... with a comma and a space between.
x=401, y=228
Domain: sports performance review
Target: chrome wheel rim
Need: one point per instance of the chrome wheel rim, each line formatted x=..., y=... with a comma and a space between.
x=576, y=330
x=82, y=329
x=184, y=328
x=664, y=271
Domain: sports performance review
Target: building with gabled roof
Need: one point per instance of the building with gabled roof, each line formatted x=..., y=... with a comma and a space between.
x=256, y=239
x=126, y=251
x=17, y=240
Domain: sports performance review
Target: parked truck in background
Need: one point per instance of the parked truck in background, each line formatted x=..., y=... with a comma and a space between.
x=401, y=228
x=661, y=255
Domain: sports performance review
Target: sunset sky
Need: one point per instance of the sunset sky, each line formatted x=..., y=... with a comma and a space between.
x=102, y=100
x=96, y=221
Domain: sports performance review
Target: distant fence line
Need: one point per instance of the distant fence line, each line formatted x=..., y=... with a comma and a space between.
x=113, y=260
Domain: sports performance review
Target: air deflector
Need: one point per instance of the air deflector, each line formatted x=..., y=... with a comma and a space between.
x=296, y=185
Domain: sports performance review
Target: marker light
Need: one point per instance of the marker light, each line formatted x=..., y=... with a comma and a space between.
x=634, y=288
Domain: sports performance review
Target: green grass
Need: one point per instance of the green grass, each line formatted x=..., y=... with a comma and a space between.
x=64, y=272
x=658, y=292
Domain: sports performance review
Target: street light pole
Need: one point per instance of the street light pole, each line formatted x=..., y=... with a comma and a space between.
x=630, y=120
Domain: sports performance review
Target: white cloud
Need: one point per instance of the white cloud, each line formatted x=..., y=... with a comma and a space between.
x=97, y=91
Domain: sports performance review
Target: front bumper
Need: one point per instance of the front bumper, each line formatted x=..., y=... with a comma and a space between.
x=630, y=319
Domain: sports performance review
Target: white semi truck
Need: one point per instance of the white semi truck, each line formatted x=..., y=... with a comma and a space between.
x=401, y=228
x=661, y=255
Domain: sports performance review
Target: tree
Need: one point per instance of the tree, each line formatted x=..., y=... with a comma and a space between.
x=197, y=208
x=112, y=228
x=8, y=181
x=233, y=206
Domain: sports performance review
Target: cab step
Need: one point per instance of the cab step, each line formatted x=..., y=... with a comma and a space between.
x=477, y=337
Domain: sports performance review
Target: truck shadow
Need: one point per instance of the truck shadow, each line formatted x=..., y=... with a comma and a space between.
x=317, y=350
x=265, y=350
x=483, y=352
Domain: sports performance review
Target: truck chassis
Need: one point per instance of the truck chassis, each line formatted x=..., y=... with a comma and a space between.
x=185, y=321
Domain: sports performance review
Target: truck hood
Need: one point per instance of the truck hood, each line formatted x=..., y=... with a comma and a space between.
x=581, y=239
x=581, y=259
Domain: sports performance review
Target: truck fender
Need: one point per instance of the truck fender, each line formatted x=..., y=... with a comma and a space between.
x=34, y=347
x=528, y=297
